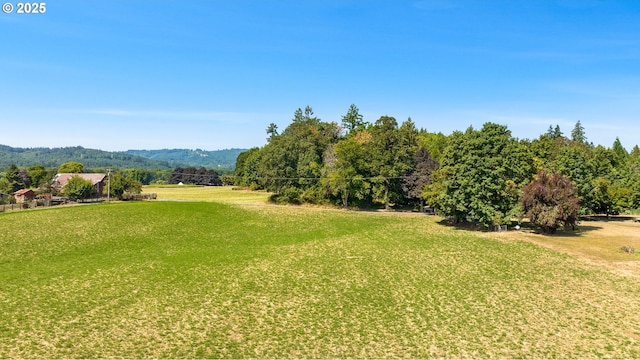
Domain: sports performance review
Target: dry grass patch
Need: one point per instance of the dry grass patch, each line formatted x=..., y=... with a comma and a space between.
x=220, y=194
x=597, y=242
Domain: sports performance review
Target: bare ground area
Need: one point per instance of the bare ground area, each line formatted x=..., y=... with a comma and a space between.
x=597, y=241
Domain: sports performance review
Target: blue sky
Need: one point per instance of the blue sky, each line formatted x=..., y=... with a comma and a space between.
x=212, y=74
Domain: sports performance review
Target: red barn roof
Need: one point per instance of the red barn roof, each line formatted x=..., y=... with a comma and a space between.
x=62, y=179
x=23, y=192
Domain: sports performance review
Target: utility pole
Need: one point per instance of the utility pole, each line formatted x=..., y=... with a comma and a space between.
x=109, y=185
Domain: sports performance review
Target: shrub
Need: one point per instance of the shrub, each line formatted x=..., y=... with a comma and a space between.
x=290, y=195
x=628, y=249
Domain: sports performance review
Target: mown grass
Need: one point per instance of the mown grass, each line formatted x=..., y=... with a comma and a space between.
x=221, y=194
x=204, y=279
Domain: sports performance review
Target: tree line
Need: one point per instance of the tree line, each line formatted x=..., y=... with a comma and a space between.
x=481, y=175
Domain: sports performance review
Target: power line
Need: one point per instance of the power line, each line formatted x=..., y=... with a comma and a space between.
x=298, y=178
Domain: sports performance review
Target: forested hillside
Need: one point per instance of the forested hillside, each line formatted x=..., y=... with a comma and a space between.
x=478, y=175
x=130, y=159
x=91, y=158
x=224, y=159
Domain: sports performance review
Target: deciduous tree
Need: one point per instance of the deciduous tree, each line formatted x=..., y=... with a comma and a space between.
x=550, y=201
x=120, y=184
x=78, y=188
x=414, y=183
x=71, y=167
x=347, y=175
x=481, y=174
x=246, y=173
x=293, y=160
x=38, y=174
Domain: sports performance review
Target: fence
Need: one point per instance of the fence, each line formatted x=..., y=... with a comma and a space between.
x=139, y=196
x=43, y=203
x=28, y=205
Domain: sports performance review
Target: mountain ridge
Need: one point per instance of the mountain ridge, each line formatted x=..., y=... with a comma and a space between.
x=95, y=158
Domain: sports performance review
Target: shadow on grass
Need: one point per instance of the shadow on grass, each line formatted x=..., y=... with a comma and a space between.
x=525, y=227
x=581, y=229
x=610, y=218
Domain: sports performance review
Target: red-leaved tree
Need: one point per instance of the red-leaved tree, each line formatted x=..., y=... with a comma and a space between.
x=550, y=200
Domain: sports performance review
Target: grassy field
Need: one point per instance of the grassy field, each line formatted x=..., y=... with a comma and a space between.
x=223, y=195
x=225, y=280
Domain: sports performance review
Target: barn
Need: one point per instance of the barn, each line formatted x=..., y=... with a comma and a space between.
x=60, y=180
x=24, y=195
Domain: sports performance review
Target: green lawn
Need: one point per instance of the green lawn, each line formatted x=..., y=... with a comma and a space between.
x=205, y=279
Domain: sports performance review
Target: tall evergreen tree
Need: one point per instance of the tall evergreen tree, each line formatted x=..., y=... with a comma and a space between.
x=621, y=156
x=13, y=177
x=577, y=134
x=557, y=133
x=601, y=162
x=554, y=133
x=391, y=150
x=634, y=167
x=353, y=120
x=549, y=132
x=272, y=130
x=573, y=162
x=634, y=161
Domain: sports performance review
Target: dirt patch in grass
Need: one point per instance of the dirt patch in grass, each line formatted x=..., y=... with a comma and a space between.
x=597, y=242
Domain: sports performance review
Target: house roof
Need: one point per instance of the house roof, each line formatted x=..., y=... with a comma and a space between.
x=22, y=192
x=63, y=178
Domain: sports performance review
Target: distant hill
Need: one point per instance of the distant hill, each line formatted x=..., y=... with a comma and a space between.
x=90, y=158
x=225, y=159
x=131, y=159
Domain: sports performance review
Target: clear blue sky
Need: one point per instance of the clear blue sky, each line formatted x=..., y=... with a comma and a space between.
x=212, y=74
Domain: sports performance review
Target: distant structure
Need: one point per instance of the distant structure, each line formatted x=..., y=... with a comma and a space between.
x=24, y=195
x=97, y=180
